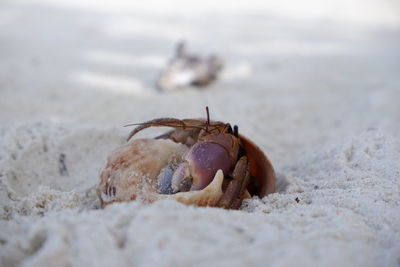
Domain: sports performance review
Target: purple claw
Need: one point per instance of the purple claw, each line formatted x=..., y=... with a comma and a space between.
x=204, y=160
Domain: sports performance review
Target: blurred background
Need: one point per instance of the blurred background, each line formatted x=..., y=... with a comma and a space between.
x=295, y=72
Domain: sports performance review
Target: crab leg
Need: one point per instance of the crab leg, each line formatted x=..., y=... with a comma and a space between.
x=212, y=127
x=166, y=122
x=237, y=186
x=187, y=137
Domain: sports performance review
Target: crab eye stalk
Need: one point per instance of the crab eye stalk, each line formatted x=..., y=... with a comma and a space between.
x=236, y=131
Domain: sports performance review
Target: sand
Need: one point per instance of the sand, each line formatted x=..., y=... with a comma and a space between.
x=315, y=86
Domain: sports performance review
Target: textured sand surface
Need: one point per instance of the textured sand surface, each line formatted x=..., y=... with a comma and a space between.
x=316, y=86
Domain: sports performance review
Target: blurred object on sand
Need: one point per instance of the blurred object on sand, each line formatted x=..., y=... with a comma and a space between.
x=189, y=70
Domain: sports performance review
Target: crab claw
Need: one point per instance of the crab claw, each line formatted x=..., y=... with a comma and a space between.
x=208, y=196
x=201, y=164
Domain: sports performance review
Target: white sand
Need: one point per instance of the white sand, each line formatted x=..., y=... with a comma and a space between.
x=317, y=86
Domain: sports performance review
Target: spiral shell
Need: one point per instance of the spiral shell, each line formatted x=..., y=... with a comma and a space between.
x=132, y=173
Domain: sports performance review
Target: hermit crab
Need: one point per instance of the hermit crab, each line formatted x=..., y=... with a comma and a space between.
x=200, y=162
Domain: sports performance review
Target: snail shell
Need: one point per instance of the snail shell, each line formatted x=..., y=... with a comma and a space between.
x=132, y=172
